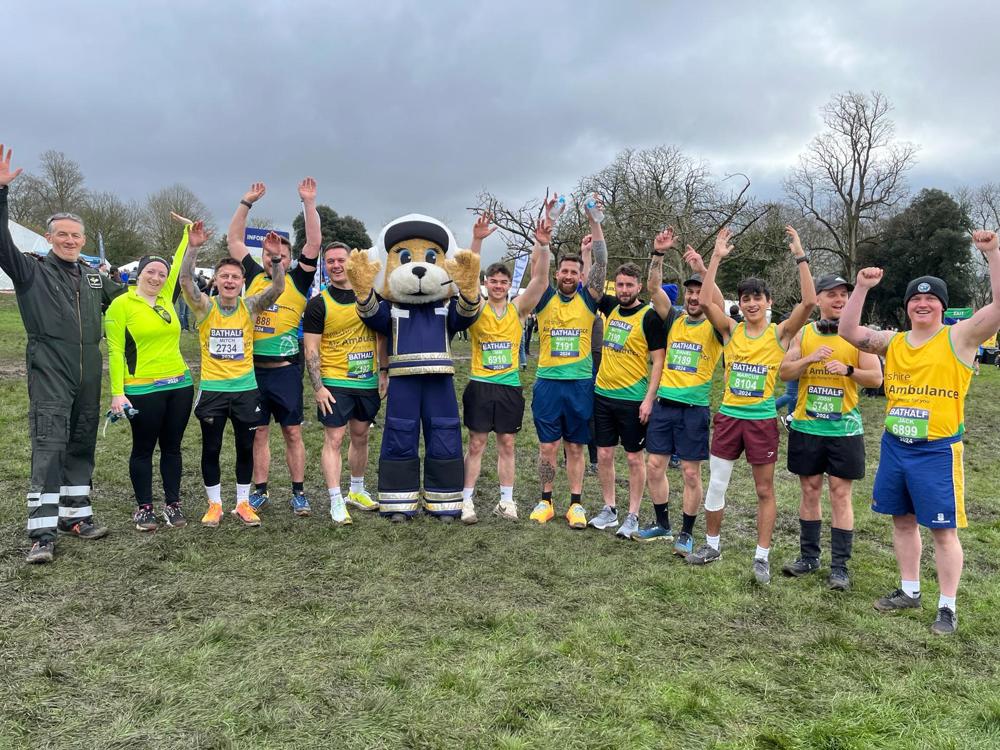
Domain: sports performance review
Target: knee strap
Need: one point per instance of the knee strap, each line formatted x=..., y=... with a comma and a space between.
x=721, y=470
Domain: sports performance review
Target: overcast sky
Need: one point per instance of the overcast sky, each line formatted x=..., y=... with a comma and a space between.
x=416, y=106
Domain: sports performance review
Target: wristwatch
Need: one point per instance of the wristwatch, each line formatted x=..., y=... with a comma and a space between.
x=850, y=370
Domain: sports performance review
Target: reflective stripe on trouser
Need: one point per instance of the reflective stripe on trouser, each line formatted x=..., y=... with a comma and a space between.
x=63, y=430
x=415, y=402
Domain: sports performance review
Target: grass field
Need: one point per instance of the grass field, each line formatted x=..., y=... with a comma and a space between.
x=425, y=635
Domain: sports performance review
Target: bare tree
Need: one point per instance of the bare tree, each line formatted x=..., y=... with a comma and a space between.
x=57, y=186
x=119, y=223
x=852, y=176
x=162, y=233
x=982, y=204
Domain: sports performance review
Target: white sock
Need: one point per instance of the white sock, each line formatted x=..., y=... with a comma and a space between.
x=335, y=494
x=467, y=494
x=762, y=553
x=357, y=484
x=506, y=494
x=214, y=493
x=242, y=492
x=946, y=601
x=713, y=541
x=910, y=588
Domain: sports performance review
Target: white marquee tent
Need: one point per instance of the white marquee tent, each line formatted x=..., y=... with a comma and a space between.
x=27, y=242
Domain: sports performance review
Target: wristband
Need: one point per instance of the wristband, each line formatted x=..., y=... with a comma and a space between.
x=803, y=259
x=246, y=203
x=850, y=370
x=383, y=369
x=658, y=255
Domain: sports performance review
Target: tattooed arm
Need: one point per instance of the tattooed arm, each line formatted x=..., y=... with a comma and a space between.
x=266, y=298
x=197, y=236
x=850, y=328
x=324, y=399
x=599, y=271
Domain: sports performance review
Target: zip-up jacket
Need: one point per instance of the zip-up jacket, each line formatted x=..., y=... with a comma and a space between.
x=61, y=305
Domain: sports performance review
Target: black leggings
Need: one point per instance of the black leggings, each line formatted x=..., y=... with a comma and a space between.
x=211, y=448
x=162, y=418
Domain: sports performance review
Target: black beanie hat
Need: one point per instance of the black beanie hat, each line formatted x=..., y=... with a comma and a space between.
x=147, y=259
x=927, y=285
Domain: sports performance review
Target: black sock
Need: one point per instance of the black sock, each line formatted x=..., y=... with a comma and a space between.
x=298, y=487
x=809, y=532
x=547, y=496
x=662, y=514
x=575, y=497
x=687, y=524
x=260, y=487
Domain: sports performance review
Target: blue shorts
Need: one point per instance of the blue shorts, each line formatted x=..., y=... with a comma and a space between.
x=925, y=479
x=678, y=429
x=280, y=394
x=562, y=409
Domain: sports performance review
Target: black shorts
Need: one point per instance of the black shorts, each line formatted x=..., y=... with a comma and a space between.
x=492, y=407
x=280, y=394
x=243, y=406
x=811, y=455
x=677, y=429
x=359, y=404
x=617, y=420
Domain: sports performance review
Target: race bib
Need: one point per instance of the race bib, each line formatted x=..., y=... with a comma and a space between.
x=497, y=355
x=360, y=365
x=684, y=356
x=909, y=425
x=565, y=342
x=747, y=380
x=266, y=319
x=824, y=403
x=225, y=343
x=616, y=334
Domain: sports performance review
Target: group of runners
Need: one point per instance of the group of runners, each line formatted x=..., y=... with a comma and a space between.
x=650, y=393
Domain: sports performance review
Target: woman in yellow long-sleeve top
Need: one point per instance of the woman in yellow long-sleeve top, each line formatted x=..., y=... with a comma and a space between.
x=149, y=375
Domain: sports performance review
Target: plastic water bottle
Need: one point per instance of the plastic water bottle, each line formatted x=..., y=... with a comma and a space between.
x=593, y=211
x=557, y=208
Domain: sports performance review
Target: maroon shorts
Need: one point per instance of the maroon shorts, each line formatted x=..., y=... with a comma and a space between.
x=732, y=436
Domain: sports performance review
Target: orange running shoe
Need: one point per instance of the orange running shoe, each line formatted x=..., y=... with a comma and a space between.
x=213, y=516
x=246, y=514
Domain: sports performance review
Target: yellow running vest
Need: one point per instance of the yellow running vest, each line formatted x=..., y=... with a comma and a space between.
x=564, y=329
x=925, y=387
x=624, y=370
x=693, y=351
x=276, y=329
x=347, y=351
x=227, y=349
x=827, y=403
x=496, y=346
x=752, y=367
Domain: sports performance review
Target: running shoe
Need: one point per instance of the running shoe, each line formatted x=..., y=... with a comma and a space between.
x=896, y=600
x=576, y=516
x=173, y=516
x=704, y=555
x=761, y=571
x=361, y=500
x=683, y=545
x=300, y=504
x=469, y=513
x=838, y=580
x=505, y=510
x=338, y=512
x=246, y=514
x=258, y=500
x=145, y=519
x=653, y=533
x=213, y=516
x=802, y=566
x=945, y=623
x=85, y=529
x=630, y=527
x=606, y=519
x=543, y=512
x=675, y=461
x=41, y=552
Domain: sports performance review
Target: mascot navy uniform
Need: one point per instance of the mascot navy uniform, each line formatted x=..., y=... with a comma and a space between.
x=419, y=313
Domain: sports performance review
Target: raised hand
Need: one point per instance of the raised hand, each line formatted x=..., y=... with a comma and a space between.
x=694, y=260
x=868, y=278
x=6, y=175
x=796, y=243
x=361, y=272
x=543, y=231
x=272, y=245
x=255, y=193
x=986, y=241
x=463, y=268
x=820, y=354
x=586, y=244
x=197, y=234
x=664, y=240
x=483, y=227
x=307, y=189
x=722, y=244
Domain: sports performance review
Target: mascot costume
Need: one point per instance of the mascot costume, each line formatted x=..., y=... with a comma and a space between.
x=429, y=291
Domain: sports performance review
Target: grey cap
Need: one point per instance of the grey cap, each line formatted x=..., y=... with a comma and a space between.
x=694, y=278
x=832, y=281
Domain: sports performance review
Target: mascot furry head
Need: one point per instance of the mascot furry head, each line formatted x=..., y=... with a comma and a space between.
x=421, y=262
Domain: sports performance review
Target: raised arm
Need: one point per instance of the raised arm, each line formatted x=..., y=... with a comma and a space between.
x=197, y=236
x=238, y=224
x=269, y=295
x=314, y=232
x=662, y=242
x=801, y=312
x=598, y=274
x=12, y=262
x=968, y=334
x=482, y=229
x=525, y=302
x=710, y=293
x=850, y=328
